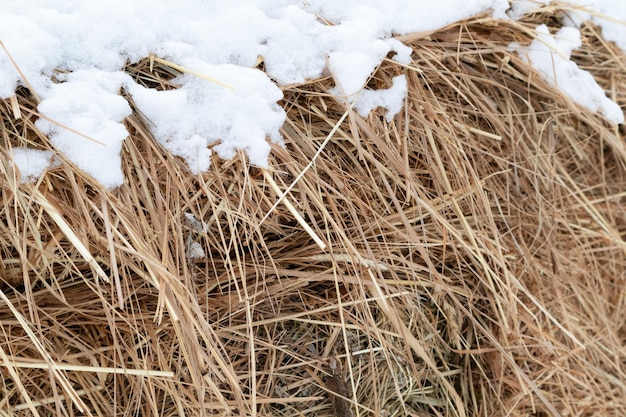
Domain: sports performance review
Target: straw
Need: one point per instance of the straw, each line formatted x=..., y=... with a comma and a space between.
x=464, y=259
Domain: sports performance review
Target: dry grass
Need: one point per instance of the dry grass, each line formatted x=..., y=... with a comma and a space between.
x=476, y=258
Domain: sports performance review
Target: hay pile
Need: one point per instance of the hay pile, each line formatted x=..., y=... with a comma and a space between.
x=475, y=261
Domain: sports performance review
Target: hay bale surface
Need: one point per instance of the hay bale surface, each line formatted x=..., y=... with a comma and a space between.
x=475, y=261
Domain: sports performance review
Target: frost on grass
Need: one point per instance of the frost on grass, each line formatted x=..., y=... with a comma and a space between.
x=550, y=56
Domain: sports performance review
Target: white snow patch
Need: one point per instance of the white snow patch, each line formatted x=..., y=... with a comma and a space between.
x=296, y=40
x=351, y=69
x=550, y=56
x=200, y=113
x=88, y=102
x=521, y=7
x=390, y=99
x=31, y=163
x=610, y=15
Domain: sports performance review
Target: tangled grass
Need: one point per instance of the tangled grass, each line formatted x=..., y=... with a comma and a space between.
x=474, y=260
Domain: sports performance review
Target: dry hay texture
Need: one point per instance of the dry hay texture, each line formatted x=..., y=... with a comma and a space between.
x=475, y=262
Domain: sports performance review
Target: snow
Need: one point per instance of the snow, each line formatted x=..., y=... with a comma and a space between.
x=550, y=56
x=71, y=53
x=187, y=120
x=31, y=162
x=521, y=7
x=89, y=103
x=610, y=15
x=390, y=99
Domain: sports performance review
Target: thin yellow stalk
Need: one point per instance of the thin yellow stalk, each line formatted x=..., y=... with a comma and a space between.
x=83, y=368
x=189, y=71
x=50, y=400
x=69, y=233
x=17, y=68
x=15, y=107
x=293, y=211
